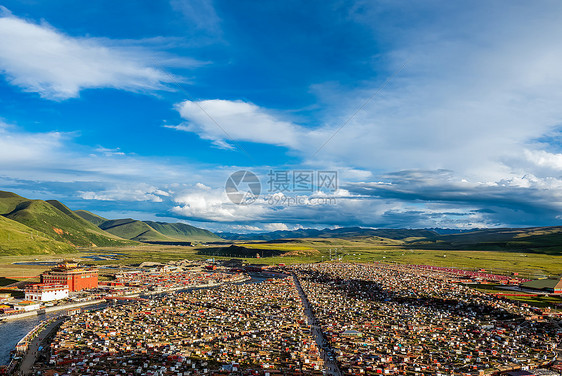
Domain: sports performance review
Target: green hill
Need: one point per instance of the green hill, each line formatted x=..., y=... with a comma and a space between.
x=546, y=240
x=91, y=217
x=182, y=231
x=50, y=226
x=149, y=231
x=134, y=230
x=9, y=201
x=16, y=238
x=59, y=223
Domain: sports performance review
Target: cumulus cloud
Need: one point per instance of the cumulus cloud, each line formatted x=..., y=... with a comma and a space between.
x=544, y=159
x=213, y=205
x=38, y=58
x=280, y=227
x=245, y=228
x=408, y=198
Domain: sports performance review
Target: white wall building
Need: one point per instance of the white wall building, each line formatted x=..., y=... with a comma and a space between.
x=45, y=292
x=26, y=306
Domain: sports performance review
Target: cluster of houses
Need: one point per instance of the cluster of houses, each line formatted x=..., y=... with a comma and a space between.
x=243, y=329
x=374, y=318
x=68, y=278
x=396, y=319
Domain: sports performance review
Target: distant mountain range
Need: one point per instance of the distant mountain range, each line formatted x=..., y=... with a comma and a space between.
x=344, y=232
x=532, y=239
x=37, y=226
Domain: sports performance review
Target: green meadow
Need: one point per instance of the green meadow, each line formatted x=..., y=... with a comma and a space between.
x=310, y=250
x=303, y=251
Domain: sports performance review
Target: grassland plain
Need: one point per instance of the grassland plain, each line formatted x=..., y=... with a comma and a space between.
x=306, y=251
x=532, y=265
x=316, y=250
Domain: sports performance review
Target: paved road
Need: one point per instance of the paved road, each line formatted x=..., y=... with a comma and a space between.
x=325, y=349
x=31, y=354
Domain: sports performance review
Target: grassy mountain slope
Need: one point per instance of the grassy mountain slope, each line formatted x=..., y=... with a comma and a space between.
x=534, y=239
x=182, y=231
x=133, y=229
x=90, y=217
x=58, y=222
x=9, y=201
x=17, y=238
x=149, y=231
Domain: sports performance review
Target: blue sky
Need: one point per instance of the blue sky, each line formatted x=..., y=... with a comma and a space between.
x=143, y=109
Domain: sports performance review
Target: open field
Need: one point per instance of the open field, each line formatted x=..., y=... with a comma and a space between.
x=306, y=251
x=126, y=256
x=530, y=265
x=540, y=301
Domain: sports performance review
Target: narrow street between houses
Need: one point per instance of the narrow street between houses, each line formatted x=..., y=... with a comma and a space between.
x=326, y=351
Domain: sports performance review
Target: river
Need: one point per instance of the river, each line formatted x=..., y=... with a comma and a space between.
x=11, y=332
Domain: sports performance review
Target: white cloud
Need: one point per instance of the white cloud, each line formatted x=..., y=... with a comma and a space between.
x=470, y=100
x=41, y=59
x=109, y=152
x=403, y=199
x=204, y=204
x=280, y=227
x=200, y=13
x=99, y=174
x=20, y=149
x=276, y=227
x=542, y=158
x=244, y=228
x=222, y=121
x=136, y=192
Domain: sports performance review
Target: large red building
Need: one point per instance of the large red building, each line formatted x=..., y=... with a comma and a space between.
x=69, y=273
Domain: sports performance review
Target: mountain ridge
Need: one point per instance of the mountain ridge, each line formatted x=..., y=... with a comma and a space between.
x=151, y=231
x=526, y=239
x=48, y=226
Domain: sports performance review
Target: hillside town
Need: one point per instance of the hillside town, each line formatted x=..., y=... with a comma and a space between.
x=396, y=319
x=68, y=283
x=233, y=328
x=229, y=317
